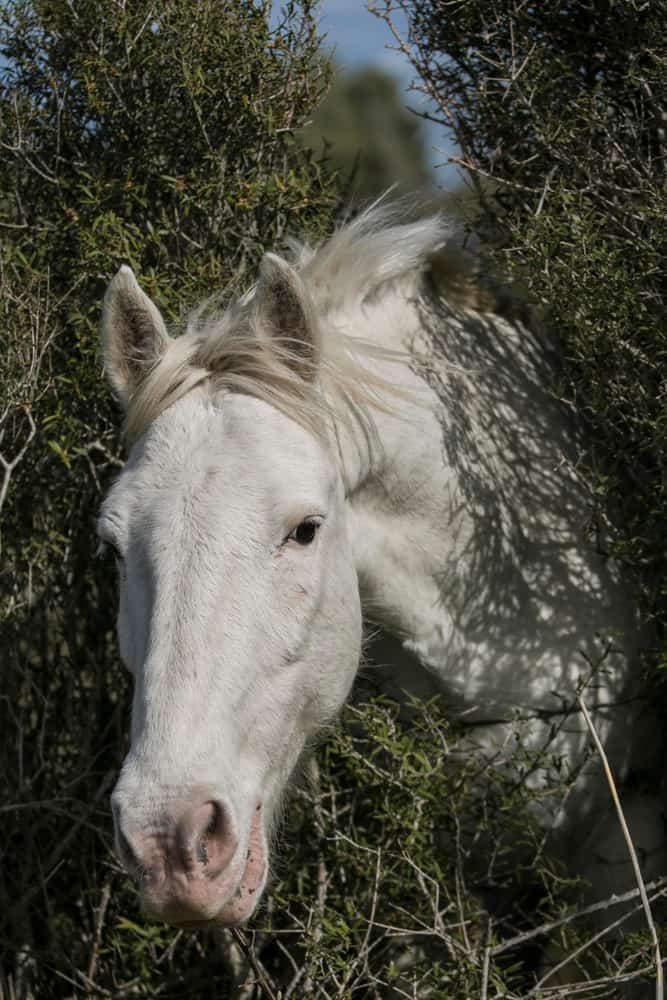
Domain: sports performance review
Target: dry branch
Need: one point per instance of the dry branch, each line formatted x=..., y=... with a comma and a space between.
x=659, y=993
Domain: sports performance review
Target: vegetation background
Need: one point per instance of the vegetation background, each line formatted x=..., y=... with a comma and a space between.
x=169, y=138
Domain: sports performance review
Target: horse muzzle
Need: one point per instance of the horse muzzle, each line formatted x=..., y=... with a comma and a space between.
x=193, y=863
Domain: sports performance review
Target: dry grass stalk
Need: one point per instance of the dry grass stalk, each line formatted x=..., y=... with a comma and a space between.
x=659, y=989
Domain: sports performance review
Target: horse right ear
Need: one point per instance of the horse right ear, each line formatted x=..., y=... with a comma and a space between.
x=134, y=336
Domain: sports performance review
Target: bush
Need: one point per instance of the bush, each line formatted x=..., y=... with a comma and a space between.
x=560, y=112
x=160, y=137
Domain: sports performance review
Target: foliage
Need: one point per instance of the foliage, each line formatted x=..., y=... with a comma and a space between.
x=560, y=112
x=161, y=137
x=369, y=135
x=164, y=137
x=391, y=842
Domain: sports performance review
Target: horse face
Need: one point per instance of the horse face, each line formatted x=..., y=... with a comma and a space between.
x=239, y=620
x=239, y=610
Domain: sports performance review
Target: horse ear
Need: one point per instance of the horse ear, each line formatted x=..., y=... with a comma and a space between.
x=284, y=313
x=134, y=336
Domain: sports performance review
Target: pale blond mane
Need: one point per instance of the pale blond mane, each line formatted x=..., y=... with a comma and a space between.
x=226, y=351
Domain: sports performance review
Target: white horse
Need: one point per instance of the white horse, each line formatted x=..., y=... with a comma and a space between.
x=294, y=465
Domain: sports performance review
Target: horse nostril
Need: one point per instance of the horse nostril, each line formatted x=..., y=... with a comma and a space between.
x=205, y=837
x=190, y=840
x=213, y=825
x=215, y=821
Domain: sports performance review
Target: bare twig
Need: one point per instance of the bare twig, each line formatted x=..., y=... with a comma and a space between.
x=659, y=991
x=583, y=948
x=97, y=939
x=9, y=465
x=520, y=939
x=486, y=959
x=263, y=977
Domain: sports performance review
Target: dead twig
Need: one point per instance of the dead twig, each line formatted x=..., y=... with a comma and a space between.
x=9, y=465
x=538, y=989
x=263, y=978
x=486, y=960
x=603, y=904
x=659, y=990
x=97, y=938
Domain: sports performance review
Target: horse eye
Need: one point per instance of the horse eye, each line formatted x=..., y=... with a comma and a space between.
x=305, y=532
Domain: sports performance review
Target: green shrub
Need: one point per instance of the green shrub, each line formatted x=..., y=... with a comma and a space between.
x=161, y=137
x=560, y=112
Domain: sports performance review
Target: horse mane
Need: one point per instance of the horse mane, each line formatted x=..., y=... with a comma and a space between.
x=361, y=259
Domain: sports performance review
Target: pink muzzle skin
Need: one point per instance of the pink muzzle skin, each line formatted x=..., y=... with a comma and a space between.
x=195, y=872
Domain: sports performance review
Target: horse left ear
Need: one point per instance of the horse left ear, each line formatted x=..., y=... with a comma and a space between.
x=134, y=336
x=285, y=315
